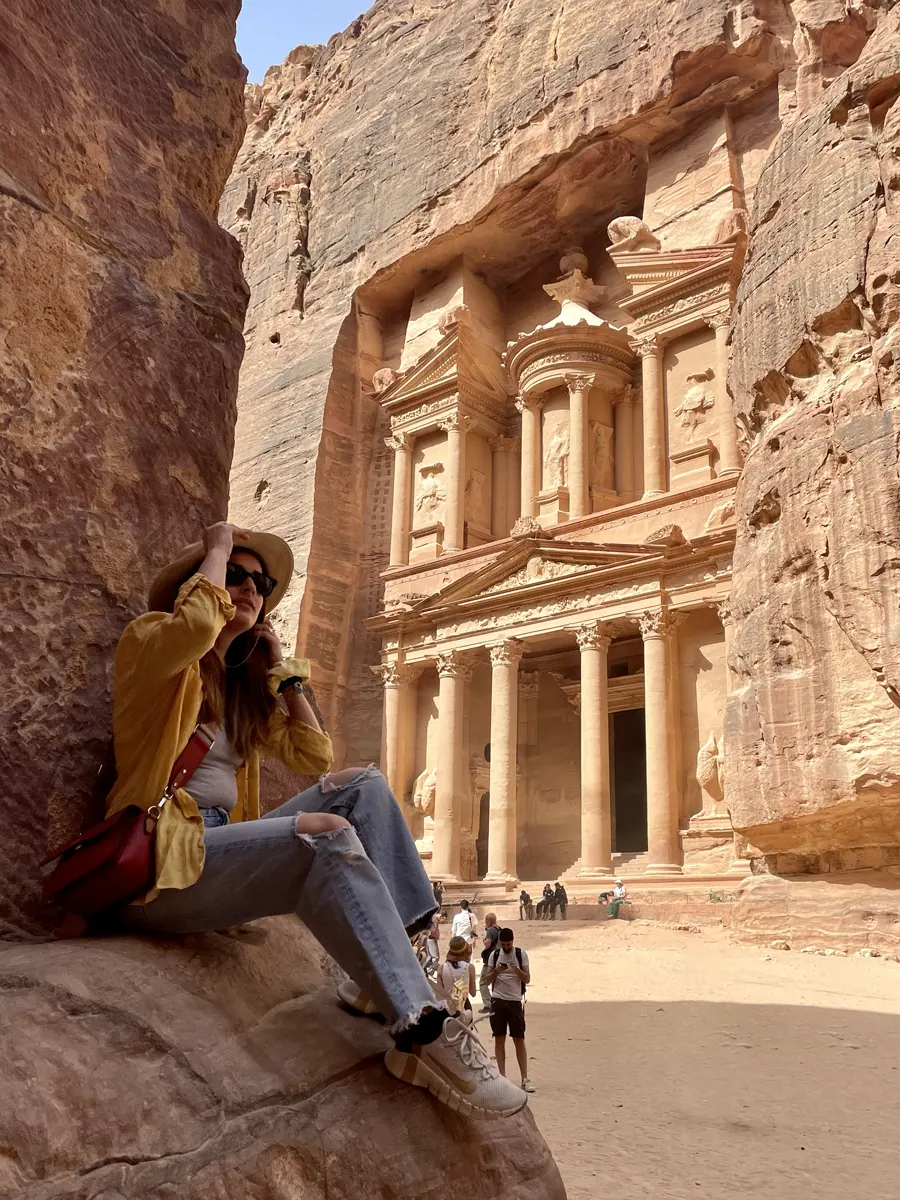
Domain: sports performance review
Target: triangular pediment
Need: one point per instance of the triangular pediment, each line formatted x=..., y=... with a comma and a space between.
x=660, y=276
x=460, y=360
x=535, y=564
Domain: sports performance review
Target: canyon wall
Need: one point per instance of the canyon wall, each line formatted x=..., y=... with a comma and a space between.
x=120, y=341
x=813, y=727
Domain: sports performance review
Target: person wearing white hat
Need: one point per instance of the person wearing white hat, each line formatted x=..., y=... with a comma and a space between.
x=333, y=855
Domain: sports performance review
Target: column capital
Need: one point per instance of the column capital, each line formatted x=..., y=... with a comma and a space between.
x=506, y=654
x=532, y=402
x=453, y=664
x=719, y=320
x=593, y=637
x=529, y=683
x=627, y=396
x=395, y=674
x=399, y=441
x=504, y=444
x=723, y=608
x=656, y=623
x=579, y=383
x=645, y=346
x=455, y=421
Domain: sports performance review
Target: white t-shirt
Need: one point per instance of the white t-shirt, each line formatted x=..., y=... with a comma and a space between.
x=463, y=926
x=506, y=985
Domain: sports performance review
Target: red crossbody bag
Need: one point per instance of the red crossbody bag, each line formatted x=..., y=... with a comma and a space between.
x=114, y=862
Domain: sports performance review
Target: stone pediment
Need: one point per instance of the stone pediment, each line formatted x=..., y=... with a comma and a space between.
x=459, y=363
x=666, y=282
x=537, y=563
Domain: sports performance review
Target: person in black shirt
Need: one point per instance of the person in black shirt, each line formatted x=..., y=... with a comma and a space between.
x=526, y=908
x=562, y=899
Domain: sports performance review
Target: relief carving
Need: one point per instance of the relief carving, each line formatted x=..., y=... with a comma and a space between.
x=631, y=233
x=527, y=527
x=697, y=401
x=384, y=379
x=709, y=775
x=602, y=458
x=556, y=460
x=476, y=504
x=430, y=493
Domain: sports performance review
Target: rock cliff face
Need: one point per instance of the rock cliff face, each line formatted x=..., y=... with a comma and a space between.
x=222, y=1065
x=120, y=341
x=813, y=727
x=425, y=132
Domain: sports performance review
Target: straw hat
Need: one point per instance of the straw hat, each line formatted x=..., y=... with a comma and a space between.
x=458, y=948
x=272, y=551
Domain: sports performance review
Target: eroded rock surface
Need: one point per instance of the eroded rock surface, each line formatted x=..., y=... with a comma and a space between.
x=813, y=726
x=222, y=1065
x=120, y=340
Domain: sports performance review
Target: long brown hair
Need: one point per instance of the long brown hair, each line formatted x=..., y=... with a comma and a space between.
x=236, y=693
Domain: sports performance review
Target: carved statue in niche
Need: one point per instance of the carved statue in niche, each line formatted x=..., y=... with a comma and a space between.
x=556, y=459
x=710, y=777
x=476, y=506
x=602, y=461
x=697, y=401
x=430, y=494
x=631, y=233
x=423, y=802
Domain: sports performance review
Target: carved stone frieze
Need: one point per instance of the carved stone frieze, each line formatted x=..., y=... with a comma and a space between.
x=527, y=527
x=668, y=536
x=535, y=570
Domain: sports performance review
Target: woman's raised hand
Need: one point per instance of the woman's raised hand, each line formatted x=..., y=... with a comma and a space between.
x=222, y=537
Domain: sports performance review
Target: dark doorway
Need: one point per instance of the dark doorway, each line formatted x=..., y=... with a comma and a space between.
x=629, y=782
x=481, y=842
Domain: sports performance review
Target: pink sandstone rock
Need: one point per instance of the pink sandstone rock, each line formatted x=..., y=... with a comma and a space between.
x=120, y=340
x=222, y=1065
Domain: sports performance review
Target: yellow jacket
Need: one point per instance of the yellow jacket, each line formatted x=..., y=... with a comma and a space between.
x=157, y=698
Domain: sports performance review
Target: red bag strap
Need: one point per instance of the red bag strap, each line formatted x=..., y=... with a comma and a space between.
x=198, y=746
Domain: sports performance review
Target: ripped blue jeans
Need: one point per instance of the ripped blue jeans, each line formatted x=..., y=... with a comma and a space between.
x=360, y=891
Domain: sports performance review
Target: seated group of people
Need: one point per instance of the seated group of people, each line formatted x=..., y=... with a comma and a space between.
x=554, y=897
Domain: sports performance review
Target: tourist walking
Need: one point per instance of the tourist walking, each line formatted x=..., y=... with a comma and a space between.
x=526, y=908
x=456, y=978
x=491, y=937
x=333, y=854
x=562, y=900
x=438, y=889
x=508, y=975
x=464, y=923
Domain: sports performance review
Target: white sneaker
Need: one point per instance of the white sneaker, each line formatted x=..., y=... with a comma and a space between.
x=457, y=1071
x=527, y=1086
x=350, y=995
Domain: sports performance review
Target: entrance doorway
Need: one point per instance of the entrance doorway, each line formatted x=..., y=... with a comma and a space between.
x=481, y=842
x=629, y=782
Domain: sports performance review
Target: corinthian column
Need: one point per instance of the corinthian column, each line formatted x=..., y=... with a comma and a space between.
x=624, y=413
x=723, y=608
x=596, y=820
x=530, y=408
x=579, y=387
x=504, y=735
x=450, y=784
x=401, y=445
x=662, y=806
x=654, y=414
x=729, y=454
x=455, y=427
x=395, y=677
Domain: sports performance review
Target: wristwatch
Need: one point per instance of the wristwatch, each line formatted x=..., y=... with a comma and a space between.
x=294, y=684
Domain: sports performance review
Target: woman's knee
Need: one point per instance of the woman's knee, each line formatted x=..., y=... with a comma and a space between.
x=319, y=822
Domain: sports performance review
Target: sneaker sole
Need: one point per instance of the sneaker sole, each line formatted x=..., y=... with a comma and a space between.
x=368, y=1010
x=411, y=1069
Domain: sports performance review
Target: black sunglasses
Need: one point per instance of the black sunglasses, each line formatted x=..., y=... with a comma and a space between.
x=235, y=575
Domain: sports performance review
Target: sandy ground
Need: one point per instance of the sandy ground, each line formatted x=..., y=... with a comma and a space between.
x=672, y=1064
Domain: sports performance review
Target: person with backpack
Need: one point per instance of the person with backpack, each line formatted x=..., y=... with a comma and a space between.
x=491, y=938
x=456, y=979
x=509, y=974
x=464, y=924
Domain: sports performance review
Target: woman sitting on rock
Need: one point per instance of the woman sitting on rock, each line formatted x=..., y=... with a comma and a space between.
x=339, y=855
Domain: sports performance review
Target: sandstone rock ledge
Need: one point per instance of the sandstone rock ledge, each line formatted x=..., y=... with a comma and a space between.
x=220, y=1066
